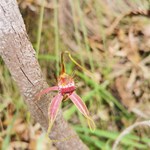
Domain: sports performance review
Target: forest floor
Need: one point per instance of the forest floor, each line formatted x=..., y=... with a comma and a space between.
x=111, y=40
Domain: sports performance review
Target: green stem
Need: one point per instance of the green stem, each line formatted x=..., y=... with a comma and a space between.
x=56, y=35
x=40, y=28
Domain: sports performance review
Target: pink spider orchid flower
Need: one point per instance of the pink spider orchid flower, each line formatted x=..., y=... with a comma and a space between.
x=66, y=89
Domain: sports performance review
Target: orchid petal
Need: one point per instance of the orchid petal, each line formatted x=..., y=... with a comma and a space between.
x=91, y=123
x=45, y=91
x=83, y=109
x=79, y=103
x=53, y=109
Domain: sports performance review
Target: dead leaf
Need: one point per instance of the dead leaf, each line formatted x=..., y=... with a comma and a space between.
x=125, y=94
x=132, y=50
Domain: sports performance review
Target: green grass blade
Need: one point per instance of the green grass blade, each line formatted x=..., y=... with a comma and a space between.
x=85, y=36
x=103, y=93
x=99, y=144
x=40, y=28
x=6, y=140
x=56, y=30
x=130, y=139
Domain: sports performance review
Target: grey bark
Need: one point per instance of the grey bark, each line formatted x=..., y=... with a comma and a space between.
x=19, y=56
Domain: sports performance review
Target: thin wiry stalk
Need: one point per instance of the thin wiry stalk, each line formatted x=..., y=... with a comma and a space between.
x=99, y=10
x=56, y=30
x=76, y=29
x=85, y=36
x=128, y=130
x=40, y=28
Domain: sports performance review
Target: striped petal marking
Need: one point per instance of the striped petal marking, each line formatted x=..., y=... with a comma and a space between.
x=79, y=104
x=54, y=106
x=83, y=109
x=53, y=109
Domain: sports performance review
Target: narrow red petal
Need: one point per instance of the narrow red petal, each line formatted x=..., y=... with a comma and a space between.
x=45, y=91
x=54, y=106
x=53, y=109
x=79, y=104
x=83, y=109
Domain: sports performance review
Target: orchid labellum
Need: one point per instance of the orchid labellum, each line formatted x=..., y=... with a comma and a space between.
x=66, y=89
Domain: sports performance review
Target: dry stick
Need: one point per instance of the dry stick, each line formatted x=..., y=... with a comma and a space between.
x=128, y=130
x=19, y=56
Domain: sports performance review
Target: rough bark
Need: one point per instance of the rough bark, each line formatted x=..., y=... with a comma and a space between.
x=19, y=56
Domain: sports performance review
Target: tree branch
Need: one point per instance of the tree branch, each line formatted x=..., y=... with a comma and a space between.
x=19, y=56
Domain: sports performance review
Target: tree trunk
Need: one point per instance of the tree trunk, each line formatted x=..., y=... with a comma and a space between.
x=19, y=56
